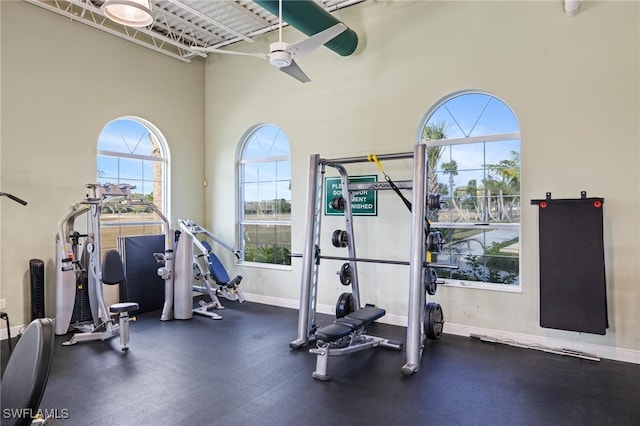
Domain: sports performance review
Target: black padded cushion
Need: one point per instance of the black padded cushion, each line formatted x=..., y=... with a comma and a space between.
x=27, y=372
x=332, y=332
x=367, y=315
x=117, y=308
x=112, y=270
x=352, y=322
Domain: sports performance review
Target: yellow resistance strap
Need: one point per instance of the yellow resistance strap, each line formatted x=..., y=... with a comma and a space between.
x=374, y=158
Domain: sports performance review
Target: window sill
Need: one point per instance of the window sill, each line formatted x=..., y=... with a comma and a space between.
x=265, y=265
x=509, y=288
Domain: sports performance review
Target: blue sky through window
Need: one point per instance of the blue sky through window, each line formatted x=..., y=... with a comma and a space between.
x=130, y=142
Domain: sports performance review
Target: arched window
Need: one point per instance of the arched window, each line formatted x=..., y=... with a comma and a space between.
x=473, y=156
x=132, y=151
x=264, y=171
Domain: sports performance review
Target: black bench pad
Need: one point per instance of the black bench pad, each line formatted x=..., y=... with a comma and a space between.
x=332, y=332
x=354, y=321
x=367, y=315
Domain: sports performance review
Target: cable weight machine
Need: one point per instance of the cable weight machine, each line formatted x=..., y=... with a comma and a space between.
x=424, y=320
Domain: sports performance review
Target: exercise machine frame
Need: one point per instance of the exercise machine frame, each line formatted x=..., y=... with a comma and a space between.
x=198, y=267
x=68, y=266
x=311, y=255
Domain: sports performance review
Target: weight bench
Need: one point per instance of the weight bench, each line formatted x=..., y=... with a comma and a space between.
x=346, y=335
x=227, y=287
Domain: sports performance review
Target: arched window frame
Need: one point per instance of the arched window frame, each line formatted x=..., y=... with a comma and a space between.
x=451, y=277
x=150, y=224
x=281, y=222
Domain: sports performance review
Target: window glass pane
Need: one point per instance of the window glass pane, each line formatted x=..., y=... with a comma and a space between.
x=250, y=172
x=283, y=203
x=266, y=195
x=250, y=197
x=126, y=136
x=482, y=255
x=119, y=140
x=284, y=170
x=107, y=168
x=267, y=171
x=267, y=244
x=468, y=156
x=266, y=141
x=480, y=184
x=496, y=118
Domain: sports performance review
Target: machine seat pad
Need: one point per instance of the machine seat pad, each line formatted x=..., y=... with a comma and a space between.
x=123, y=307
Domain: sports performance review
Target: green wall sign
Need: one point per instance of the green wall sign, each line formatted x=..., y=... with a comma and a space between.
x=364, y=202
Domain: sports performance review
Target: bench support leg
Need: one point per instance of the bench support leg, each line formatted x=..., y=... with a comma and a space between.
x=322, y=362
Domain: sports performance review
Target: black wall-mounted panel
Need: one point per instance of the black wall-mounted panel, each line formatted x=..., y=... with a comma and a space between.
x=143, y=285
x=572, y=271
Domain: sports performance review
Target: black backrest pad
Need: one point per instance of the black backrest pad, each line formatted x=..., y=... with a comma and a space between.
x=112, y=270
x=367, y=315
x=27, y=372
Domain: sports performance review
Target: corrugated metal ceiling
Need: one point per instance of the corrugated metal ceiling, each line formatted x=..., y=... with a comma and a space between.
x=181, y=28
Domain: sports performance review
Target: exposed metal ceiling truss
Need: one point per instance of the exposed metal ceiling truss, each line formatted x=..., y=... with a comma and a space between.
x=182, y=27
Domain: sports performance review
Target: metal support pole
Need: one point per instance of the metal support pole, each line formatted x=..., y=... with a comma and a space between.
x=348, y=223
x=416, y=291
x=308, y=282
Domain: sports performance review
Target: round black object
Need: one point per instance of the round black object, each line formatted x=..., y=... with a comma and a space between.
x=337, y=203
x=434, y=242
x=339, y=238
x=345, y=305
x=345, y=274
x=434, y=202
x=429, y=278
x=433, y=321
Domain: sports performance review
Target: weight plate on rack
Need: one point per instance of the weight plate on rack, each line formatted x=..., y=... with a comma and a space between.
x=430, y=277
x=339, y=238
x=338, y=203
x=433, y=321
x=345, y=305
x=345, y=274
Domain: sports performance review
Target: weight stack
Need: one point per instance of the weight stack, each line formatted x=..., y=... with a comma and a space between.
x=36, y=272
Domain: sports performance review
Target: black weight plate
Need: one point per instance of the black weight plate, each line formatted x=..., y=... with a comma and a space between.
x=345, y=305
x=430, y=277
x=433, y=321
x=338, y=203
x=345, y=274
x=339, y=238
x=335, y=238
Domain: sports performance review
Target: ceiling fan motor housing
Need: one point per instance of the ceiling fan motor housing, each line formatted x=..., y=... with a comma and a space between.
x=279, y=55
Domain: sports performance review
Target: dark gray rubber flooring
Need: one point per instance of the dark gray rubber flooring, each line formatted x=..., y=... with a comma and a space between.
x=240, y=371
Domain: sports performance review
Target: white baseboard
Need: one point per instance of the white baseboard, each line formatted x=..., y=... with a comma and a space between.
x=15, y=331
x=556, y=345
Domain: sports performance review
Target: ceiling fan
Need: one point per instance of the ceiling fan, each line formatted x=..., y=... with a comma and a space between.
x=282, y=55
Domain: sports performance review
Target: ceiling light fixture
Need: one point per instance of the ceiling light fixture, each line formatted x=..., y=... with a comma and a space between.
x=132, y=13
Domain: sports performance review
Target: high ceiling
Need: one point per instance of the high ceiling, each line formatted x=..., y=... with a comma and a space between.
x=181, y=28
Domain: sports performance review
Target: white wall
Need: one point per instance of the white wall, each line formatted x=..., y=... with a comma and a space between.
x=572, y=82
x=62, y=82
